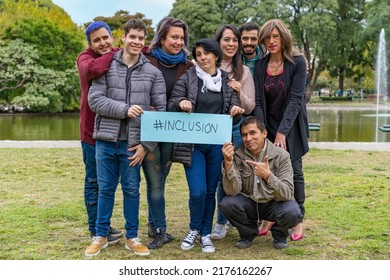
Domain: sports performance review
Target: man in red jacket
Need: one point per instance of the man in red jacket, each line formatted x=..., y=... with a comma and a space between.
x=91, y=64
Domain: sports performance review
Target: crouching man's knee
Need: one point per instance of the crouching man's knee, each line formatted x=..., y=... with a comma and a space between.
x=226, y=205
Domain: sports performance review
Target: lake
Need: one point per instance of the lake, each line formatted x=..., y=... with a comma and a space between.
x=336, y=125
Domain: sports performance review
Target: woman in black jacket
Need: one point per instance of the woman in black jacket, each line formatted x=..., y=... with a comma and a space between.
x=202, y=89
x=280, y=81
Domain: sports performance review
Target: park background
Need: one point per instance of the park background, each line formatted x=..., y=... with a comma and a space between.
x=39, y=44
x=42, y=213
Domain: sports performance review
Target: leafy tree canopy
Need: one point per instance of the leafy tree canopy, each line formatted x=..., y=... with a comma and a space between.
x=117, y=22
x=45, y=26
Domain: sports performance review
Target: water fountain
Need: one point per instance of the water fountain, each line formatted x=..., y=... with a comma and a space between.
x=381, y=75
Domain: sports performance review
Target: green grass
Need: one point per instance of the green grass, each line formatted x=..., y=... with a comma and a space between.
x=42, y=214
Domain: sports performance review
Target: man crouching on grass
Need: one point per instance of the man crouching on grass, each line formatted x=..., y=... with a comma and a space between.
x=258, y=181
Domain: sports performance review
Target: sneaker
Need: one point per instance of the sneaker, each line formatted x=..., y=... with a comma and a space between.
x=160, y=239
x=190, y=239
x=98, y=243
x=152, y=232
x=115, y=233
x=243, y=244
x=135, y=245
x=110, y=239
x=280, y=244
x=219, y=232
x=206, y=244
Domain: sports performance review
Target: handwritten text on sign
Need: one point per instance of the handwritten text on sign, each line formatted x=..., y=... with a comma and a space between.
x=186, y=128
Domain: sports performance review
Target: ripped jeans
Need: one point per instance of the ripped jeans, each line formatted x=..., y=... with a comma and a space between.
x=156, y=166
x=91, y=188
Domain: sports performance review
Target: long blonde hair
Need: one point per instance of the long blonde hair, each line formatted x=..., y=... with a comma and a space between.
x=289, y=51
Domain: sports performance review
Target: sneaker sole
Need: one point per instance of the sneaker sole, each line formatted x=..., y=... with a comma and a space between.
x=281, y=247
x=216, y=237
x=208, y=250
x=158, y=246
x=187, y=248
x=97, y=253
x=117, y=235
x=113, y=242
x=137, y=253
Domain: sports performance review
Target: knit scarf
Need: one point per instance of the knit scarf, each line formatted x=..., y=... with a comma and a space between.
x=209, y=83
x=168, y=59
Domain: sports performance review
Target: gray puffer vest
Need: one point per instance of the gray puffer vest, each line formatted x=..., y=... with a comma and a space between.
x=111, y=95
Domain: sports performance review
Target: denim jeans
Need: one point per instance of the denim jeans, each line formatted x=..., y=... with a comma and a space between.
x=112, y=166
x=237, y=141
x=202, y=178
x=91, y=188
x=156, y=166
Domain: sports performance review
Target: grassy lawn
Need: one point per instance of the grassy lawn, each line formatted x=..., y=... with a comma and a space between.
x=43, y=217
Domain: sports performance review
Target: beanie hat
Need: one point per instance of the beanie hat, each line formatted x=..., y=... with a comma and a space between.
x=209, y=45
x=95, y=26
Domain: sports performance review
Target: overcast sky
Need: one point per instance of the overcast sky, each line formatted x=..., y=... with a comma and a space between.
x=82, y=11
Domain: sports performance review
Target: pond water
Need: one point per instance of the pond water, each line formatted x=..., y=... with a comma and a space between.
x=336, y=125
x=341, y=125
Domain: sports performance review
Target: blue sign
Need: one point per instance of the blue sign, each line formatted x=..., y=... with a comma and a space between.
x=182, y=127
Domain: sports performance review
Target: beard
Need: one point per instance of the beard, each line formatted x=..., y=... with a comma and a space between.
x=250, y=52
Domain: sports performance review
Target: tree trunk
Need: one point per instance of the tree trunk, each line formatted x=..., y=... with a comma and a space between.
x=341, y=79
x=308, y=92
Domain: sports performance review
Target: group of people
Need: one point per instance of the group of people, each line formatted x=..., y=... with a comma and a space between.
x=253, y=74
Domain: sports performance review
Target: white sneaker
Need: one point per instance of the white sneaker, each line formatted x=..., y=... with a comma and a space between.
x=206, y=244
x=219, y=232
x=190, y=239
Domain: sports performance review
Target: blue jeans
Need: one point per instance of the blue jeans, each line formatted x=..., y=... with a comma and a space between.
x=237, y=141
x=156, y=166
x=91, y=188
x=202, y=179
x=113, y=165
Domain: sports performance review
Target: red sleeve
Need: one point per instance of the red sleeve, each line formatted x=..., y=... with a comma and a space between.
x=91, y=66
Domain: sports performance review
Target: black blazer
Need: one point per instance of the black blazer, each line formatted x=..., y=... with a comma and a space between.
x=294, y=123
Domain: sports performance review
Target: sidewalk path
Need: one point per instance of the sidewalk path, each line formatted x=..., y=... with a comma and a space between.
x=362, y=146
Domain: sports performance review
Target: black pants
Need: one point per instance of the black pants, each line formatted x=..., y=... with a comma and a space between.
x=299, y=184
x=243, y=213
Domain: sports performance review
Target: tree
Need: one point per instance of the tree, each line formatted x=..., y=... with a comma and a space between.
x=117, y=22
x=18, y=63
x=312, y=26
x=378, y=17
x=26, y=83
x=203, y=17
x=347, y=52
x=45, y=26
x=57, y=48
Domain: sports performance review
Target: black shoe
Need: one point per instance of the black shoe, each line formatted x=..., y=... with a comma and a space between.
x=160, y=239
x=115, y=233
x=112, y=239
x=243, y=244
x=151, y=231
x=280, y=244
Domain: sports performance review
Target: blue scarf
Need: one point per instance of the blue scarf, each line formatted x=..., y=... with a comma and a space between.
x=168, y=59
